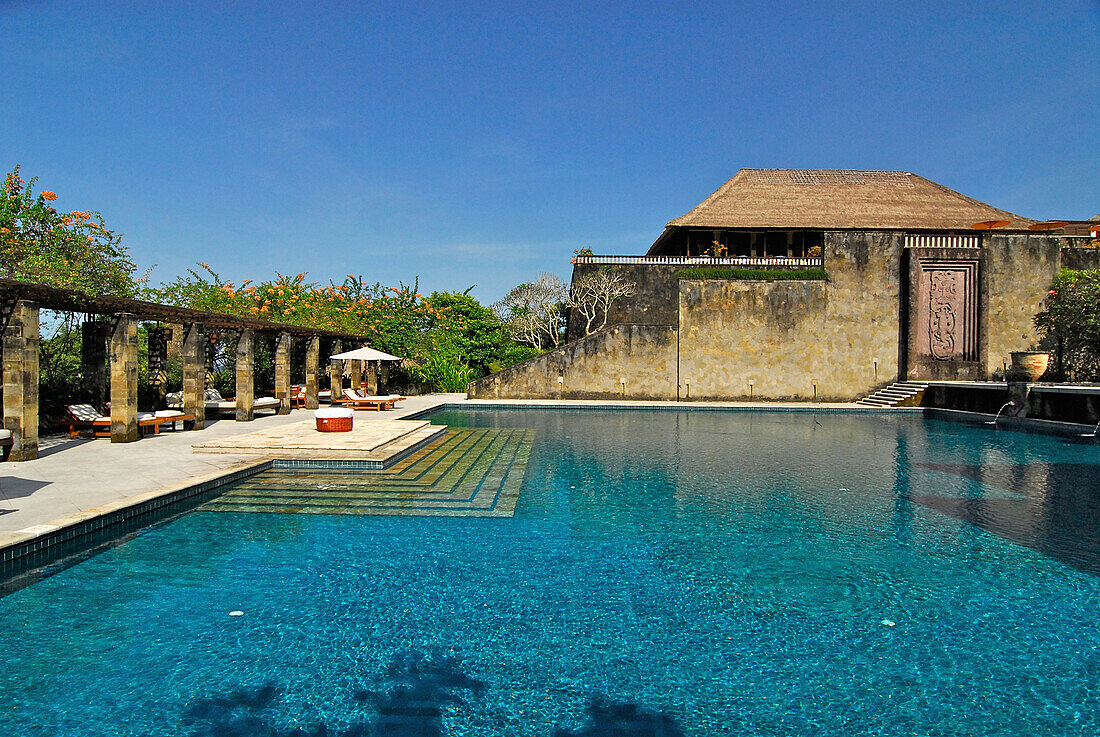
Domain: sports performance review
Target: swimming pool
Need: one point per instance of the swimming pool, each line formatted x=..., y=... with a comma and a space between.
x=661, y=572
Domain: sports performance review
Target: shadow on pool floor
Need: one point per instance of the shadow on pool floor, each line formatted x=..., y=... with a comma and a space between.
x=422, y=687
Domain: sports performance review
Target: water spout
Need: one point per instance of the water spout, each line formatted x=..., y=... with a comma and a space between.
x=997, y=416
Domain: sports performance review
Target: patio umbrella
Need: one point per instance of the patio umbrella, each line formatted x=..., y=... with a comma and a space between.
x=1048, y=225
x=364, y=354
x=990, y=224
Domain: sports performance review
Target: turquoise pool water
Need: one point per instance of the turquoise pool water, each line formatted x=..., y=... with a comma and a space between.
x=664, y=573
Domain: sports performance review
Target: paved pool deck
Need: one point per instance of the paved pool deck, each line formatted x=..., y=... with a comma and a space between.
x=72, y=479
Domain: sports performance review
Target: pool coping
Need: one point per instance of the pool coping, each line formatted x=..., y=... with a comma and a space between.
x=25, y=549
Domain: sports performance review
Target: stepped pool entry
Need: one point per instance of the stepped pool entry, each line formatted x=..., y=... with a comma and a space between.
x=596, y=572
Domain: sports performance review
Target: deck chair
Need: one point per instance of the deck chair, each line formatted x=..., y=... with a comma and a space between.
x=355, y=400
x=6, y=443
x=86, y=417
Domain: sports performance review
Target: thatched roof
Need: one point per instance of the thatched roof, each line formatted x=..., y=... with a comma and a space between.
x=840, y=199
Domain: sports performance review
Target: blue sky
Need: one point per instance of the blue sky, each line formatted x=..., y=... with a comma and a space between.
x=481, y=143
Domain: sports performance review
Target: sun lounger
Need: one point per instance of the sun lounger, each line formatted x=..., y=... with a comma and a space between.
x=86, y=417
x=357, y=401
x=6, y=442
x=170, y=417
x=216, y=404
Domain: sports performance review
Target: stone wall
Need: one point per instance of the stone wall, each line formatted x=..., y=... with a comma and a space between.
x=653, y=303
x=836, y=340
x=1018, y=273
x=591, y=368
x=1080, y=258
x=784, y=335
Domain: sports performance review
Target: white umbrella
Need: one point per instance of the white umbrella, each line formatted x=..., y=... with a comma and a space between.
x=364, y=354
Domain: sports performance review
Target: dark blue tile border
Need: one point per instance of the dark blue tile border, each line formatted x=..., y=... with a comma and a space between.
x=683, y=406
x=22, y=563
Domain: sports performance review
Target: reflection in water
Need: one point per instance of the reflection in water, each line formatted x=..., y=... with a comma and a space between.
x=902, y=519
x=1057, y=512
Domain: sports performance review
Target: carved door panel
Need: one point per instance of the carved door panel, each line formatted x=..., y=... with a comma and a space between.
x=944, y=321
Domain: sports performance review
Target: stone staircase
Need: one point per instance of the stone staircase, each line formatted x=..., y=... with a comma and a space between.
x=470, y=472
x=901, y=394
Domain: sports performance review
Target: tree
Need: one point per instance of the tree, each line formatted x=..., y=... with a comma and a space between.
x=593, y=294
x=63, y=249
x=1070, y=319
x=535, y=311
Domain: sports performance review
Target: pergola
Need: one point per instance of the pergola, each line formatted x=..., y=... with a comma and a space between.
x=20, y=303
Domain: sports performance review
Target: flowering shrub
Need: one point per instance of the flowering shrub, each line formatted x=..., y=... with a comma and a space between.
x=453, y=337
x=63, y=249
x=1070, y=324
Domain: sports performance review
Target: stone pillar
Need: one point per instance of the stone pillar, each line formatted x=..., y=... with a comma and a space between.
x=93, y=361
x=158, y=361
x=20, y=365
x=210, y=350
x=384, y=377
x=336, y=372
x=313, y=362
x=194, y=373
x=246, y=380
x=283, y=347
x=124, y=383
x=357, y=375
x=372, y=378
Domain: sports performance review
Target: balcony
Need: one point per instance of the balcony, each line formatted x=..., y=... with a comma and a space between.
x=740, y=262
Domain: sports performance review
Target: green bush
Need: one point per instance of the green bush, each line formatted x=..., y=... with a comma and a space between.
x=1069, y=324
x=755, y=274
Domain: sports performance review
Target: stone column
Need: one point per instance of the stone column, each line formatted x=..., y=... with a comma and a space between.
x=158, y=361
x=194, y=373
x=93, y=360
x=20, y=365
x=336, y=372
x=282, y=372
x=384, y=377
x=124, y=384
x=313, y=361
x=357, y=375
x=246, y=380
x=372, y=377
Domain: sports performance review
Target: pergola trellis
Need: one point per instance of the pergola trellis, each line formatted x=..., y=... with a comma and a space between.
x=20, y=303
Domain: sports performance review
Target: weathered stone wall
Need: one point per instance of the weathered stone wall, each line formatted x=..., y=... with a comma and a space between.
x=1019, y=270
x=653, y=303
x=783, y=335
x=1080, y=258
x=591, y=368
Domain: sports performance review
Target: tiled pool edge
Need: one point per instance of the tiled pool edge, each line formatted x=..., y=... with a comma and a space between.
x=592, y=405
x=41, y=545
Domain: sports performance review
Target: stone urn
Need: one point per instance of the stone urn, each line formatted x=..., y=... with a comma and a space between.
x=1027, y=365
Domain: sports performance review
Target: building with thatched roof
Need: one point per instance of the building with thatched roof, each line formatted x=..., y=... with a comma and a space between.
x=785, y=212
x=804, y=283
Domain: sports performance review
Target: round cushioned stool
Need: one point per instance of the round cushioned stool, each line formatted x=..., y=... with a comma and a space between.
x=334, y=419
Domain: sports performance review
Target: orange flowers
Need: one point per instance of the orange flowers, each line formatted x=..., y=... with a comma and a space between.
x=48, y=196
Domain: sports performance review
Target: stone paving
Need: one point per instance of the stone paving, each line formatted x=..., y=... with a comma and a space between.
x=72, y=477
x=369, y=439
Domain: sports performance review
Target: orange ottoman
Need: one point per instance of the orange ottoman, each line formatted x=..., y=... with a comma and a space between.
x=334, y=419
